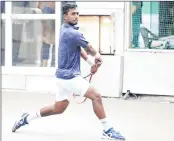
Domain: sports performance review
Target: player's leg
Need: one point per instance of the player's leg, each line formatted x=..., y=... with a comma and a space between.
x=89, y=91
x=26, y=118
x=96, y=98
x=58, y=108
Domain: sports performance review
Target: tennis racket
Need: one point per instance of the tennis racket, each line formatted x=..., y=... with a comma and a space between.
x=79, y=99
x=88, y=76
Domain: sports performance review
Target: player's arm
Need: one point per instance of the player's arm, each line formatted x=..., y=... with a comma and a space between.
x=84, y=54
x=88, y=49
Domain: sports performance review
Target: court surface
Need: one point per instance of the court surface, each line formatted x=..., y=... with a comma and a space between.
x=137, y=120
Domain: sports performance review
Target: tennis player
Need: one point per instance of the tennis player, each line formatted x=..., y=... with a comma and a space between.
x=72, y=45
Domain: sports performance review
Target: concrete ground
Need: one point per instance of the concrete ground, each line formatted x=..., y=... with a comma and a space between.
x=137, y=120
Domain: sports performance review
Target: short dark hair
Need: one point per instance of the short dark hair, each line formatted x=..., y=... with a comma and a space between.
x=68, y=6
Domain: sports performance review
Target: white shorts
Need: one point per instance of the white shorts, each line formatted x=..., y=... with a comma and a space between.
x=66, y=88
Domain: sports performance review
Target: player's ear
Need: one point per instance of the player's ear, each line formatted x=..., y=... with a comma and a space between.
x=65, y=16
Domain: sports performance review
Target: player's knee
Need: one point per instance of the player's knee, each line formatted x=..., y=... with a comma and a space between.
x=93, y=94
x=97, y=96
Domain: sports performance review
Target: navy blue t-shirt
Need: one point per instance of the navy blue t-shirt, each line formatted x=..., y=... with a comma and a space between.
x=70, y=41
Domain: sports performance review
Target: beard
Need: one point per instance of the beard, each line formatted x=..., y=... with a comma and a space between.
x=73, y=23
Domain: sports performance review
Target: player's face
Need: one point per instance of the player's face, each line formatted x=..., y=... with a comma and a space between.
x=72, y=16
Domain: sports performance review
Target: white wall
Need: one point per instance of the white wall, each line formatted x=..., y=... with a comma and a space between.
x=106, y=80
x=149, y=73
x=144, y=73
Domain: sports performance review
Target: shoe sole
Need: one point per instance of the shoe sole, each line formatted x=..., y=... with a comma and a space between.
x=105, y=136
x=108, y=138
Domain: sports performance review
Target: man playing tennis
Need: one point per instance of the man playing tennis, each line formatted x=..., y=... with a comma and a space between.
x=72, y=45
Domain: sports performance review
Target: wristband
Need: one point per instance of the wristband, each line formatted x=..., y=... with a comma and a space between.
x=90, y=62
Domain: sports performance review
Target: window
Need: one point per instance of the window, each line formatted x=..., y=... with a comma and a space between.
x=106, y=35
x=33, y=35
x=89, y=26
x=33, y=43
x=2, y=42
x=98, y=30
x=33, y=7
x=152, y=25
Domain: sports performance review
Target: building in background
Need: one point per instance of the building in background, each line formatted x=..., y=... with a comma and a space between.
x=31, y=31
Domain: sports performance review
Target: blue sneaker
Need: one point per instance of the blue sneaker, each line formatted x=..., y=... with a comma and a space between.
x=21, y=122
x=113, y=135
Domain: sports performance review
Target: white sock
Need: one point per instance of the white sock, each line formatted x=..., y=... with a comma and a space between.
x=105, y=124
x=33, y=116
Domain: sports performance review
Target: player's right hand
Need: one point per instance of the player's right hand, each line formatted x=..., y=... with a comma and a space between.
x=94, y=69
x=98, y=61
